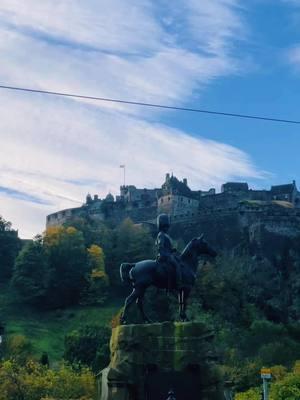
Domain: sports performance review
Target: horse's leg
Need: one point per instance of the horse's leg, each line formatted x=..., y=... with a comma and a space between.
x=140, y=303
x=180, y=303
x=184, y=296
x=128, y=302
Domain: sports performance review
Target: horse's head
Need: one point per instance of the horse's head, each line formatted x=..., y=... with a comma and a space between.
x=202, y=247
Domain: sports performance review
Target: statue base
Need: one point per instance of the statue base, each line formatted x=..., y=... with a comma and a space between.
x=149, y=360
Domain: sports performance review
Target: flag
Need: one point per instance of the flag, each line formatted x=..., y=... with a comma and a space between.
x=122, y=166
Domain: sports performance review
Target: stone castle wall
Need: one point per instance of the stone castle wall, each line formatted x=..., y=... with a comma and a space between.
x=226, y=218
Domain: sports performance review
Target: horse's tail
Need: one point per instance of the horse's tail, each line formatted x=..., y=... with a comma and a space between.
x=125, y=272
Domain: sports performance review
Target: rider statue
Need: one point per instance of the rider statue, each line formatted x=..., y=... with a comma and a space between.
x=166, y=253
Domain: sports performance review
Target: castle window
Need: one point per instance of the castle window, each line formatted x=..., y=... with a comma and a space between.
x=169, y=198
x=161, y=200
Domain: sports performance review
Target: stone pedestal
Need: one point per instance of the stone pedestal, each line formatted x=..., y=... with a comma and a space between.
x=148, y=360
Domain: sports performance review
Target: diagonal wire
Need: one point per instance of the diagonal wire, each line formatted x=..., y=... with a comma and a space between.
x=153, y=105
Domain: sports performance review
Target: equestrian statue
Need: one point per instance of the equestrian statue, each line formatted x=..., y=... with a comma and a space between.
x=171, y=270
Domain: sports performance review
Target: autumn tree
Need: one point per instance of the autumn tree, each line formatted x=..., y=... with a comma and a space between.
x=97, y=280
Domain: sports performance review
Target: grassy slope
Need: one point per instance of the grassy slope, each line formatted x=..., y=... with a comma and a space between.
x=47, y=330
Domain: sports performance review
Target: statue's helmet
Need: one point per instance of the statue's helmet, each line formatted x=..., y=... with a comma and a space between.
x=163, y=221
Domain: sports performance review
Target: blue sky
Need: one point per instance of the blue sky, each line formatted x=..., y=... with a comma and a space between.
x=226, y=55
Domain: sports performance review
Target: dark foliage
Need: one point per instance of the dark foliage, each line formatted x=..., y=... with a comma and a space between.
x=10, y=245
x=31, y=273
x=88, y=346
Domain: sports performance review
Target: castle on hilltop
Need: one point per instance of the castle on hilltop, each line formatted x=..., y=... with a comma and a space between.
x=183, y=204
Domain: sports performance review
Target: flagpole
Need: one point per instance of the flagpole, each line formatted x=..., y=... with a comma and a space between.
x=124, y=173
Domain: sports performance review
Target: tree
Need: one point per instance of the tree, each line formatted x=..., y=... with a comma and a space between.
x=287, y=388
x=96, y=258
x=130, y=243
x=10, y=245
x=31, y=272
x=88, y=346
x=67, y=258
x=98, y=282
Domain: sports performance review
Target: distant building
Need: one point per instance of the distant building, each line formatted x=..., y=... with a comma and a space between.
x=287, y=192
x=233, y=187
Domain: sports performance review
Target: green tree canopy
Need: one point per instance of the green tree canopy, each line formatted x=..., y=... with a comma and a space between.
x=129, y=243
x=31, y=272
x=67, y=260
x=10, y=245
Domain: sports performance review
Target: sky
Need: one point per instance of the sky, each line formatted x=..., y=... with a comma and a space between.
x=226, y=55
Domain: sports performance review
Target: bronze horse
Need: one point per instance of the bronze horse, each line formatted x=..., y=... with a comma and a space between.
x=151, y=273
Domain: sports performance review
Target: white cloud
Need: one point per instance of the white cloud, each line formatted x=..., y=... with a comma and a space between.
x=211, y=25
x=108, y=25
x=48, y=161
x=138, y=50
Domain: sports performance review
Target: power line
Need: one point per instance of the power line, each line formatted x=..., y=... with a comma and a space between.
x=153, y=105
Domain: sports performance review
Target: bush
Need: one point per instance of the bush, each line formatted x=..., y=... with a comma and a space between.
x=88, y=346
x=18, y=348
x=34, y=381
x=287, y=388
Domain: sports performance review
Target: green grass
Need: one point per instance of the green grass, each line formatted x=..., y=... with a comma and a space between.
x=46, y=330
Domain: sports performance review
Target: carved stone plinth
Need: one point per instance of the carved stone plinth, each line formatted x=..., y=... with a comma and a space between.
x=148, y=360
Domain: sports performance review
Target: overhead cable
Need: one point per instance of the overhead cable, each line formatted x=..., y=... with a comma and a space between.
x=153, y=105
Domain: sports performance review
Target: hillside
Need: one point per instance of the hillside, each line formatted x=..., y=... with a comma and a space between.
x=47, y=330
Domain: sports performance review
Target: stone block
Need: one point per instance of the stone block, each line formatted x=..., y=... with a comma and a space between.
x=148, y=360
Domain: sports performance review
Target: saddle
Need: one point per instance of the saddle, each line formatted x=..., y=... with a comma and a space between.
x=165, y=270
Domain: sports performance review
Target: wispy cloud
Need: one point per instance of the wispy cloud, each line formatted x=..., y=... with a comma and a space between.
x=293, y=56
x=22, y=196
x=138, y=50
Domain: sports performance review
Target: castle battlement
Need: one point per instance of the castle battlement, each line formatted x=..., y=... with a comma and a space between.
x=183, y=204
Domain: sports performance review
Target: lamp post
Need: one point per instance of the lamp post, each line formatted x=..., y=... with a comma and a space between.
x=1, y=340
x=124, y=173
x=265, y=374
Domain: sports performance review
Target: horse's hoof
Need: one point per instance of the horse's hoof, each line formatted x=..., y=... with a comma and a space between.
x=148, y=321
x=184, y=319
